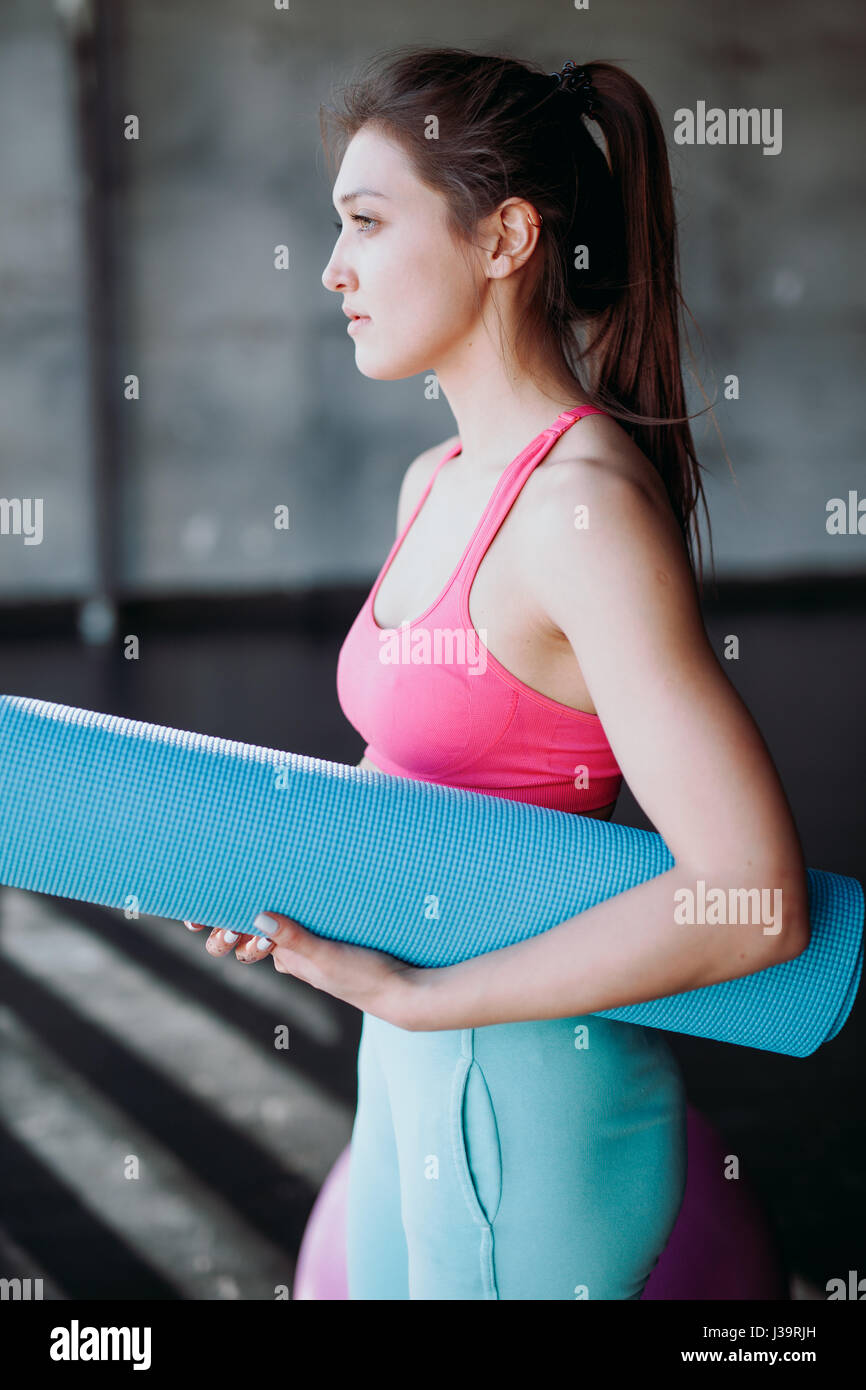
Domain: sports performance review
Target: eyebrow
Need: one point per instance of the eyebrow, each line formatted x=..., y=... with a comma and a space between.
x=360, y=193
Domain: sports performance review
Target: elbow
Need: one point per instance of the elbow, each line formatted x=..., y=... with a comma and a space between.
x=791, y=929
x=771, y=900
x=792, y=943
x=798, y=940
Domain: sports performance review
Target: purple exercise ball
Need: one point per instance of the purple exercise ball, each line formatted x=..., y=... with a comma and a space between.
x=321, y=1269
x=721, y=1246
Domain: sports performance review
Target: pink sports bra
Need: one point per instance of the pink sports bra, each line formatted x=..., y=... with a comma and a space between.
x=434, y=704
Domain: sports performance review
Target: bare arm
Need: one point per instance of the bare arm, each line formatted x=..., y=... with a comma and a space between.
x=622, y=593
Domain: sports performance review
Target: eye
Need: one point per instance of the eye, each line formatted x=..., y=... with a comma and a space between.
x=359, y=217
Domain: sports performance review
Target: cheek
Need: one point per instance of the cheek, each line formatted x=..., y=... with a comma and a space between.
x=428, y=290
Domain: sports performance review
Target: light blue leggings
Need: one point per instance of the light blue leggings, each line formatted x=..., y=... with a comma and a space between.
x=536, y=1160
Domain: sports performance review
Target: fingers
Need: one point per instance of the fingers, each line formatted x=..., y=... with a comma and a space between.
x=221, y=941
x=256, y=948
x=247, y=948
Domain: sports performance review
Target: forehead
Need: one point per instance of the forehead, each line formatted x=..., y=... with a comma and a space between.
x=372, y=161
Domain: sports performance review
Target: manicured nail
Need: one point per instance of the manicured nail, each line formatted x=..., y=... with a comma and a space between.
x=230, y=937
x=263, y=922
x=262, y=944
x=191, y=925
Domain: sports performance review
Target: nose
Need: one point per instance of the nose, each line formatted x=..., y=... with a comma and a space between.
x=337, y=277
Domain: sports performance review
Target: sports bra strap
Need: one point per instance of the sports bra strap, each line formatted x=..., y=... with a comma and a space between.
x=510, y=485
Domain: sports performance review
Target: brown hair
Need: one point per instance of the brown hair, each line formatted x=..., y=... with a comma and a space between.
x=506, y=129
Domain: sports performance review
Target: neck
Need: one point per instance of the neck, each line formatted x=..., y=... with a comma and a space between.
x=498, y=415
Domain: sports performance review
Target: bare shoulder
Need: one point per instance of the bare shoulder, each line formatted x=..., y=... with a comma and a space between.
x=417, y=476
x=598, y=454
x=597, y=484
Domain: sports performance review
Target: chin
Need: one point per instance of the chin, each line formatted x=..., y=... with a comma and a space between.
x=391, y=368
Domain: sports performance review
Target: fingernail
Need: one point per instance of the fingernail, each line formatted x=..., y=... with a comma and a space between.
x=263, y=922
x=191, y=925
x=230, y=937
x=262, y=944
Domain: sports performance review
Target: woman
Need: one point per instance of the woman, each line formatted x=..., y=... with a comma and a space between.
x=508, y=1144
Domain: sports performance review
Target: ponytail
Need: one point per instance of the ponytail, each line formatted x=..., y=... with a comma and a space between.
x=628, y=302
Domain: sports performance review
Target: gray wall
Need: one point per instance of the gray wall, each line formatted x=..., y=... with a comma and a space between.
x=250, y=397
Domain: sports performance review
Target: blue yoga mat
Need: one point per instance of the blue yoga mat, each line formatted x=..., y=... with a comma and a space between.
x=182, y=825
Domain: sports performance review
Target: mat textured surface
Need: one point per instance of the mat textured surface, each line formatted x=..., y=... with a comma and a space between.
x=177, y=824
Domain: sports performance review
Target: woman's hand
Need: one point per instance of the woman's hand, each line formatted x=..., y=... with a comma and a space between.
x=371, y=980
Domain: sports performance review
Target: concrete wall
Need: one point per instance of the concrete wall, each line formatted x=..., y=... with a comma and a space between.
x=250, y=397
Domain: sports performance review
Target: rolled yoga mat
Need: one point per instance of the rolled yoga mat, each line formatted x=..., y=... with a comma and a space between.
x=176, y=824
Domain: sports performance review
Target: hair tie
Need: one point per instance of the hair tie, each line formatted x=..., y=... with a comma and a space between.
x=577, y=80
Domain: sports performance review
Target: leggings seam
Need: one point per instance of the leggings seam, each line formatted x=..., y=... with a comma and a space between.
x=458, y=1144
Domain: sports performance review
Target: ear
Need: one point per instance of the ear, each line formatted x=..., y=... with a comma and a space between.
x=513, y=231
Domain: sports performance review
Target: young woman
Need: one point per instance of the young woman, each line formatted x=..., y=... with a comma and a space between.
x=512, y=233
